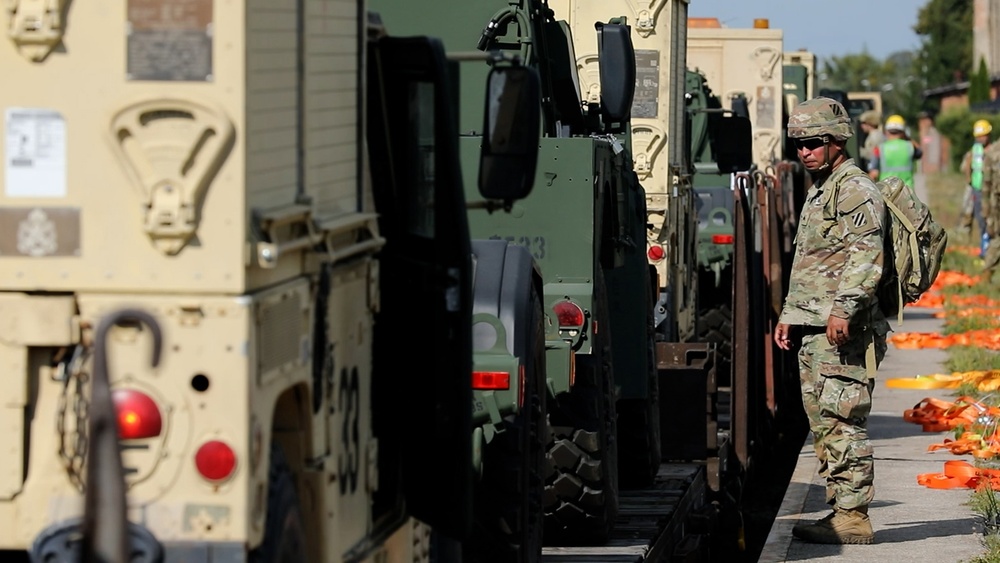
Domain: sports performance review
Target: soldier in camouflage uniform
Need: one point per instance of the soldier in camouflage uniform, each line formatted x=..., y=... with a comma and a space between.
x=831, y=305
x=990, y=201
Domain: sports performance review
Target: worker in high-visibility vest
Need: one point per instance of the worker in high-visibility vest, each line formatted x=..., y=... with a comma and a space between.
x=897, y=155
x=972, y=168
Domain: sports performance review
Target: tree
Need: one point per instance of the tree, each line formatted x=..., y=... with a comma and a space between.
x=852, y=72
x=945, y=27
x=895, y=77
x=979, y=85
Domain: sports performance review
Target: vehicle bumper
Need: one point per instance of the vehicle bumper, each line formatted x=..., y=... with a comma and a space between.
x=62, y=542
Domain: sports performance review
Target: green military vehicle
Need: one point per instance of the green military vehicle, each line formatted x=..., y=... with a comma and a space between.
x=584, y=224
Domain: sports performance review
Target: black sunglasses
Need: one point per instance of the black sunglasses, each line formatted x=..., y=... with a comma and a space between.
x=810, y=143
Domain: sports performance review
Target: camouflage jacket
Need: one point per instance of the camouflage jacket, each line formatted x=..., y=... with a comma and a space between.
x=991, y=189
x=839, y=251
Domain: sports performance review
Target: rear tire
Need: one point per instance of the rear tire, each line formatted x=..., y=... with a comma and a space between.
x=284, y=534
x=508, y=500
x=639, y=425
x=581, y=487
x=715, y=325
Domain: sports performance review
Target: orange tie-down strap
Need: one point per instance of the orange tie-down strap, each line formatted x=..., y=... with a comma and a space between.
x=936, y=415
x=933, y=381
x=959, y=474
x=984, y=380
x=933, y=299
x=988, y=338
x=981, y=447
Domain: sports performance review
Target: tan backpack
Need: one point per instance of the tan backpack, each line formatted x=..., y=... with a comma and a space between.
x=915, y=245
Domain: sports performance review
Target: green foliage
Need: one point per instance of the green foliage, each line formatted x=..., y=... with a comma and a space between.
x=946, y=29
x=979, y=84
x=971, y=358
x=944, y=196
x=852, y=73
x=985, y=504
x=956, y=124
x=991, y=542
x=896, y=78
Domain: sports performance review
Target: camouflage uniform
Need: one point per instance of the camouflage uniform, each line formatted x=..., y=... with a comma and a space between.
x=990, y=197
x=836, y=270
x=837, y=266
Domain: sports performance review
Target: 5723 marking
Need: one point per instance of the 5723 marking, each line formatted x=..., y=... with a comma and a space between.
x=535, y=245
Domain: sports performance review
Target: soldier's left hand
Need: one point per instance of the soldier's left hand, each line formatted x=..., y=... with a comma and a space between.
x=837, y=331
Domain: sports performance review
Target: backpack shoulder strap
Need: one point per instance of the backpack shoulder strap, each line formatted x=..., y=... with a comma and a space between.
x=830, y=199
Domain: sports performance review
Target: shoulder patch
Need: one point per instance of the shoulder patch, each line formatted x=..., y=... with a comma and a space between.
x=857, y=208
x=854, y=193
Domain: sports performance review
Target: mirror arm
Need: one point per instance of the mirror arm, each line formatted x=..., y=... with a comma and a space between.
x=491, y=205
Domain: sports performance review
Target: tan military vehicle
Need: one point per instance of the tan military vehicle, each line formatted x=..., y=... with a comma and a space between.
x=747, y=62
x=659, y=31
x=225, y=168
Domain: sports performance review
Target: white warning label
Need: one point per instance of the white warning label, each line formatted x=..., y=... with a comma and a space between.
x=34, y=153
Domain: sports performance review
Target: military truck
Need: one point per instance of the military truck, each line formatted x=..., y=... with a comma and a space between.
x=277, y=187
x=745, y=69
x=742, y=68
x=583, y=224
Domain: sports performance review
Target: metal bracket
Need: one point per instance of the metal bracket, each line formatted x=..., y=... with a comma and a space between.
x=292, y=228
x=173, y=149
x=36, y=26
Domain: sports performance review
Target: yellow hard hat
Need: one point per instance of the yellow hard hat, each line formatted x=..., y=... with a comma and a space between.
x=895, y=123
x=981, y=128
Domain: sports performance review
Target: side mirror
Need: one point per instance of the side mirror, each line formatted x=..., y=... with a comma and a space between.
x=733, y=143
x=510, y=133
x=616, y=58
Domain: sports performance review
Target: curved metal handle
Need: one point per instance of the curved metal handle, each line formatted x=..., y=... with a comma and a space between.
x=105, y=524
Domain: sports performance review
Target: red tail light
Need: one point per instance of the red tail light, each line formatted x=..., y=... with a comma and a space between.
x=215, y=460
x=723, y=239
x=138, y=415
x=656, y=253
x=490, y=380
x=569, y=314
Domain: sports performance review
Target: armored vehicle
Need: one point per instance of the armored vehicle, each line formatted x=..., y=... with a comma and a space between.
x=278, y=187
x=584, y=224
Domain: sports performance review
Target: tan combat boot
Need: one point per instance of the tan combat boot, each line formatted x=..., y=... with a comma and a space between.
x=839, y=527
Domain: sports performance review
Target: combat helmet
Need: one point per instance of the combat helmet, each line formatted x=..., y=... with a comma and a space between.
x=871, y=117
x=820, y=116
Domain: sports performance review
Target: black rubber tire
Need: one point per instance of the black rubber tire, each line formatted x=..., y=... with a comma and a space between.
x=508, y=527
x=639, y=446
x=581, y=485
x=284, y=534
x=715, y=325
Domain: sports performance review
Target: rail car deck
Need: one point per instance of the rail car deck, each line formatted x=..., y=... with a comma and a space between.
x=654, y=524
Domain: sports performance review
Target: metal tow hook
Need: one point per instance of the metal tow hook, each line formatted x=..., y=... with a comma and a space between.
x=107, y=535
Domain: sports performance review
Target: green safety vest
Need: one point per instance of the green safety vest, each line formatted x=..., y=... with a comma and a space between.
x=895, y=158
x=977, y=167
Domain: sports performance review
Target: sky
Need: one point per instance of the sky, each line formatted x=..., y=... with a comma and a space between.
x=826, y=28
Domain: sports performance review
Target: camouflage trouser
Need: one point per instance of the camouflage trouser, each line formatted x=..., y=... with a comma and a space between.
x=992, y=258
x=966, y=216
x=837, y=395
x=972, y=211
